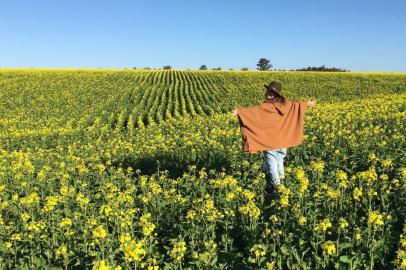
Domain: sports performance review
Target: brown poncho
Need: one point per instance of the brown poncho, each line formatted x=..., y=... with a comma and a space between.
x=272, y=125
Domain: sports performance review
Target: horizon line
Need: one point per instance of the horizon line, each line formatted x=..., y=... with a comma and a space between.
x=222, y=70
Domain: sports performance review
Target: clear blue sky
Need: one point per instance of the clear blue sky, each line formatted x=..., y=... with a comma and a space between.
x=350, y=34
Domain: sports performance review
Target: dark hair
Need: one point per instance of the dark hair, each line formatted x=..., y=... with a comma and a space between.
x=278, y=98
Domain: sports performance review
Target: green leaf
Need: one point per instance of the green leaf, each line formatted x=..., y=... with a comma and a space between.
x=284, y=250
x=344, y=259
x=346, y=245
x=38, y=261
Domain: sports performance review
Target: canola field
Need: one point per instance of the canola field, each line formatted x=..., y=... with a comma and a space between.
x=144, y=169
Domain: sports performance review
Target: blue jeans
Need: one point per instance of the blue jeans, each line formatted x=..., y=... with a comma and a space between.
x=273, y=162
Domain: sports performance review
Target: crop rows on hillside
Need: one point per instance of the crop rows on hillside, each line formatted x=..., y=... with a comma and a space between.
x=145, y=170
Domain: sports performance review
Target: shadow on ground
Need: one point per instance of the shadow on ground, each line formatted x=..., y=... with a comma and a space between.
x=176, y=166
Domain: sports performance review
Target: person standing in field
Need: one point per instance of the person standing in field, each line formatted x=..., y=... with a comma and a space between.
x=272, y=127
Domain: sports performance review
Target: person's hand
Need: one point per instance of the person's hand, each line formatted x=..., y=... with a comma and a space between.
x=311, y=102
x=234, y=112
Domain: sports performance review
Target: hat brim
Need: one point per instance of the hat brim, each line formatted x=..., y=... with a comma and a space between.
x=272, y=90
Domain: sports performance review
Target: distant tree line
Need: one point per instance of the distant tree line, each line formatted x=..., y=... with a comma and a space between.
x=264, y=64
x=204, y=67
x=321, y=68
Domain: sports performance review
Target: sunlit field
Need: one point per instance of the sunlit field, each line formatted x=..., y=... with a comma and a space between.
x=144, y=169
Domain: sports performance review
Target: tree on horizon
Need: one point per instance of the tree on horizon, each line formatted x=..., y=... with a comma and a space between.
x=263, y=64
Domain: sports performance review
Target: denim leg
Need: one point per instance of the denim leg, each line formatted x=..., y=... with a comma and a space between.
x=271, y=166
x=281, y=153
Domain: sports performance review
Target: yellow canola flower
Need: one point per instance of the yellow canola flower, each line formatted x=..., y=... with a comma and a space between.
x=302, y=179
x=369, y=175
x=148, y=228
x=145, y=217
x=257, y=252
x=403, y=173
x=66, y=190
x=317, y=166
x=15, y=197
x=178, y=251
x=66, y=222
x=251, y=210
x=299, y=173
x=101, y=168
x=357, y=193
x=323, y=225
x=400, y=260
x=91, y=221
x=284, y=201
x=191, y=214
x=209, y=211
x=329, y=247
x=82, y=200
x=210, y=244
x=248, y=194
x=230, y=196
x=133, y=250
x=36, y=226
x=372, y=157
x=285, y=193
x=99, y=232
x=15, y=237
x=51, y=203
x=270, y=265
x=375, y=218
x=332, y=193
x=124, y=237
x=105, y=210
x=343, y=224
x=61, y=251
x=302, y=220
x=273, y=218
x=155, y=188
x=101, y=265
x=342, y=178
x=25, y=216
x=228, y=181
x=33, y=198
x=386, y=163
